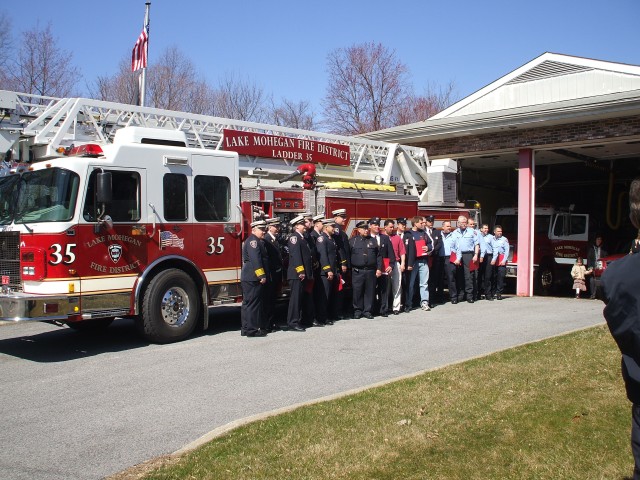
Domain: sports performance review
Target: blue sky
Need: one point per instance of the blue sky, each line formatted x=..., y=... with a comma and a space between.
x=282, y=45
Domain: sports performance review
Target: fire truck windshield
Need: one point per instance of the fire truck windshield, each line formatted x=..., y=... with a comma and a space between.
x=509, y=224
x=38, y=196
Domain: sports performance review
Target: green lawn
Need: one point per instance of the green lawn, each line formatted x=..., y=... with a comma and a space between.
x=555, y=409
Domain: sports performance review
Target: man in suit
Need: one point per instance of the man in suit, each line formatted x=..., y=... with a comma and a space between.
x=300, y=276
x=620, y=292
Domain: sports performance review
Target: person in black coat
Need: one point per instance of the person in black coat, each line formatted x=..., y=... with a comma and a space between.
x=253, y=278
x=328, y=277
x=366, y=266
x=410, y=259
x=274, y=282
x=620, y=292
x=300, y=276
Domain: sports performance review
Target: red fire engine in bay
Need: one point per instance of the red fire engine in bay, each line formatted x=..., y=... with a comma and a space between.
x=559, y=237
x=110, y=210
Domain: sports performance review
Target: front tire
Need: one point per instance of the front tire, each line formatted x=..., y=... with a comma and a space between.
x=170, y=307
x=545, y=280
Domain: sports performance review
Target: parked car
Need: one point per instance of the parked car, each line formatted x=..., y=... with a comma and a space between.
x=602, y=265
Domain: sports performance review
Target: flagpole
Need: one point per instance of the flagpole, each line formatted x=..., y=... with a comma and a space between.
x=143, y=75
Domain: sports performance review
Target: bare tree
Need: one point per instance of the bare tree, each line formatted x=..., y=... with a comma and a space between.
x=293, y=114
x=239, y=99
x=5, y=38
x=121, y=87
x=170, y=80
x=367, y=83
x=417, y=108
x=41, y=67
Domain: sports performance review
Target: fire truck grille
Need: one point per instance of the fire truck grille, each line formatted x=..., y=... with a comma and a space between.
x=10, y=259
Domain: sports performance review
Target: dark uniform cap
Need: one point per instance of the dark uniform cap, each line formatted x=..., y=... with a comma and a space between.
x=297, y=220
x=259, y=224
x=341, y=212
x=429, y=218
x=374, y=221
x=318, y=218
x=328, y=221
x=401, y=220
x=362, y=224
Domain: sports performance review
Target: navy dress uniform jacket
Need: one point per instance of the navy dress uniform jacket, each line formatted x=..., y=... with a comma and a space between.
x=300, y=257
x=255, y=260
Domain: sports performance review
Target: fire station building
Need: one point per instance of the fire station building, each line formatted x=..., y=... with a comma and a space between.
x=560, y=130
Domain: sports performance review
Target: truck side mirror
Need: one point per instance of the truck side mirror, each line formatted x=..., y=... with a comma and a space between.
x=104, y=190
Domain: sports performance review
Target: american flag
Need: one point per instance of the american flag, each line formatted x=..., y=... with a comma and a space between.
x=139, y=54
x=170, y=239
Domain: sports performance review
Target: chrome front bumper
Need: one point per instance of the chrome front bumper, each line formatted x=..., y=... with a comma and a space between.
x=20, y=307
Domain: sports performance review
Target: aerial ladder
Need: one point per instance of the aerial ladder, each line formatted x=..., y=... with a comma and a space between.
x=47, y=126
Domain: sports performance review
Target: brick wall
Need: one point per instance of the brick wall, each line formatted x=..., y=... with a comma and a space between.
x=512, y=140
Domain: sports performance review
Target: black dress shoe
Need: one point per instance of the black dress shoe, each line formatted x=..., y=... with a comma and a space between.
x=454, y=301
x=297, y=329
x=489, y=298
x=317, y=324
x=258, y=333
x=407, y=309
x=367, y=315
x=499, y=297
x=430, y=305
x=396, y=312
x=384, y=314
x=356, y=316
x=470, y=300
x=329, y=322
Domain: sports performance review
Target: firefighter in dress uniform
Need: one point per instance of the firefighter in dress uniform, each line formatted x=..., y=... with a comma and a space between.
x=328, y=257
x=300, y=276
x=366, y=267
x=255, y=264
x=319, y=303
x=500, y=247
x=274, y=282
x=344, y=259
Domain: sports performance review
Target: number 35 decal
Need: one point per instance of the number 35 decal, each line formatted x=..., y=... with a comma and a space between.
x=57, y=257
x=215, y=245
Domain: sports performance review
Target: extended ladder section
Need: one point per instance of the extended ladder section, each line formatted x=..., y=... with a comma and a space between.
x=50, y=123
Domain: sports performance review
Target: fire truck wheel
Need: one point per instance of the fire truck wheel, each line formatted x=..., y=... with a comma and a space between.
x=170, y=307
x=89, y=326
x=545, y=280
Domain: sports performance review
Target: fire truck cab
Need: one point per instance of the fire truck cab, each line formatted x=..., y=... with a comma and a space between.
x=560, y=236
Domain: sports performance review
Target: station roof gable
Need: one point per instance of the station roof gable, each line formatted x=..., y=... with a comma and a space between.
x=546, y=80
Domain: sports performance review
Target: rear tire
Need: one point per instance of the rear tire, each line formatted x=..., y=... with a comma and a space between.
x=170, y=307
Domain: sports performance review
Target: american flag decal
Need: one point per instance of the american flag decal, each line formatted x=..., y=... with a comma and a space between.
x=170, y=239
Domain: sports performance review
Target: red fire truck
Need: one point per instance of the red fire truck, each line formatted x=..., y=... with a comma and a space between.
x=110, y=210
x=560, y=236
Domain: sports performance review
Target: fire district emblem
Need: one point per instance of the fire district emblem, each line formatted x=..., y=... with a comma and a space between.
x=115, y=252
